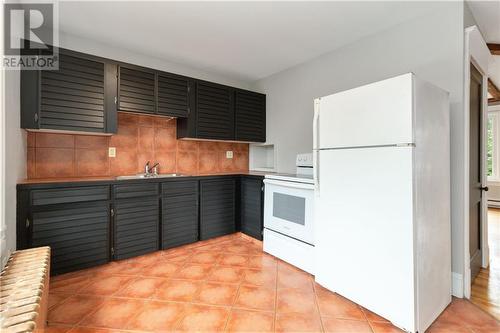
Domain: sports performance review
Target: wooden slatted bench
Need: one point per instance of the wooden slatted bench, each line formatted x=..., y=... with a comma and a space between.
x=24, y=292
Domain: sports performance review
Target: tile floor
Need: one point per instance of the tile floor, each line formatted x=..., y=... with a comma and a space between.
x=226, y=284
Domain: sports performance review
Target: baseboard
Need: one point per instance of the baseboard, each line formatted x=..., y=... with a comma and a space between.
x=457, y=285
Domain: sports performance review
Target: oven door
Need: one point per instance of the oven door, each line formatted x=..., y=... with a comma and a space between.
x=288, y=209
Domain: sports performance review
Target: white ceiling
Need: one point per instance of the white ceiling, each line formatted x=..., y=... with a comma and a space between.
x=487, y=16
x=242, y=40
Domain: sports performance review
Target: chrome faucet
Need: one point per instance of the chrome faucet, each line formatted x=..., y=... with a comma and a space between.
x=151, y=170
x=154, y=169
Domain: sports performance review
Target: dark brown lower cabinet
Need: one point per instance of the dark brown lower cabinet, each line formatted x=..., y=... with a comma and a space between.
x=251, y=206
x=135, y=227
x=90, y=224
x=78, y=234
x=179, y=213
x=217, y=207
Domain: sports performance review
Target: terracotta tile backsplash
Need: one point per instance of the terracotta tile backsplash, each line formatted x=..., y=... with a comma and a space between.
x=140, y=138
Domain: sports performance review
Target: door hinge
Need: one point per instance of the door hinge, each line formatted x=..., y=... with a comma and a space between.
x=112, y=212
x=27, y=223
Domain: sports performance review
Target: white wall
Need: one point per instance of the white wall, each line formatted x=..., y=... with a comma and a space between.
x=430, y=46
x=15, y=156
x=107, y=51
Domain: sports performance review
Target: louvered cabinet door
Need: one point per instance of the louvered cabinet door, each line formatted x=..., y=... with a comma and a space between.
x=136, y=90
x=214, y=112
x=179, y=213
x=251, y=207
x=78, y=235
x=250, y=116
x=217, y=208
x=136, y=225
x=73, y=97
x=173, y=96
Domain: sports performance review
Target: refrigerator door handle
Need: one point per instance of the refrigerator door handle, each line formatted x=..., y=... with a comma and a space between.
x=316, y=145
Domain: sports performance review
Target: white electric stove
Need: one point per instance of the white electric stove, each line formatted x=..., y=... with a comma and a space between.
x=289, y=215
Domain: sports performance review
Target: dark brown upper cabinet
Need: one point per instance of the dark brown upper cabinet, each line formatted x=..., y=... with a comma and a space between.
x=225, y=113
x=145, y=90
x=173, y=95
x=86, y=92
x=79, y=96
x=136, y=90
x=250, y=116
x=214, y=111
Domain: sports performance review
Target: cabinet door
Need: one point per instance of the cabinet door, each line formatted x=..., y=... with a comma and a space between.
x=73, y=97
x=136, y=90
x=78, y=235
x=214, y=112
x=179, y=213
x=217, y=208
x=136, y=225
x=250, y=116
x=173, y=99
x=251, y=207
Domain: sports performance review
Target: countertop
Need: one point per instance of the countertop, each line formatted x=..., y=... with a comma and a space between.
x=113, y=179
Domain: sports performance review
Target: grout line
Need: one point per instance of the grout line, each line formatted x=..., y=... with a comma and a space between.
x=366, y=318
x=317, y=305
x=276, y=299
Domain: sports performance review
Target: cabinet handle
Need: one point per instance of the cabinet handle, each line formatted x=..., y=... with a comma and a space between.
x=112, y=212
x=116, y=100
x=27, y=223
x=36, y=117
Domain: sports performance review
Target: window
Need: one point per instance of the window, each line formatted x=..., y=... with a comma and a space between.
x=493, y=160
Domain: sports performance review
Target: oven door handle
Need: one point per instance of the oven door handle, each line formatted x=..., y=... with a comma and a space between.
x=289, y=184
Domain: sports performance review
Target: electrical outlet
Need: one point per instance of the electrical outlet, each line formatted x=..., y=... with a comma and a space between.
x=112, y=152
x=229, y=154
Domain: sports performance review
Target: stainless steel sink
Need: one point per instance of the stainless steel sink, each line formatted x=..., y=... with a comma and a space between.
x=148, y=176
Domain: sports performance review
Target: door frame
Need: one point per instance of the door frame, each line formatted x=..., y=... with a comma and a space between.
x=476, y=53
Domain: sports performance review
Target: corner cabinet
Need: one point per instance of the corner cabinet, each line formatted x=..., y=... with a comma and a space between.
x=79, y=96
x=217, y=207
x=225, y=113
x=214, y=111
x=252, y=206
x=250, y=116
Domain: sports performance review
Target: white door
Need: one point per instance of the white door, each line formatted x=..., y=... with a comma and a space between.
x=364, y=229
x=375, y=114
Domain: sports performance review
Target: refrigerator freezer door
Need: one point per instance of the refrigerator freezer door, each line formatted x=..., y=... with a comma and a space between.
x=375, y=114
x=364, y=229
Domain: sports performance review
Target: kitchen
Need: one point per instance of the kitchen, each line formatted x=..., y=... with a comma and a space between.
x=181, y=189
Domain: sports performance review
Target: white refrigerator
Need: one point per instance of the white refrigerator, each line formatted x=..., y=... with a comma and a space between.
x=382, y=212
